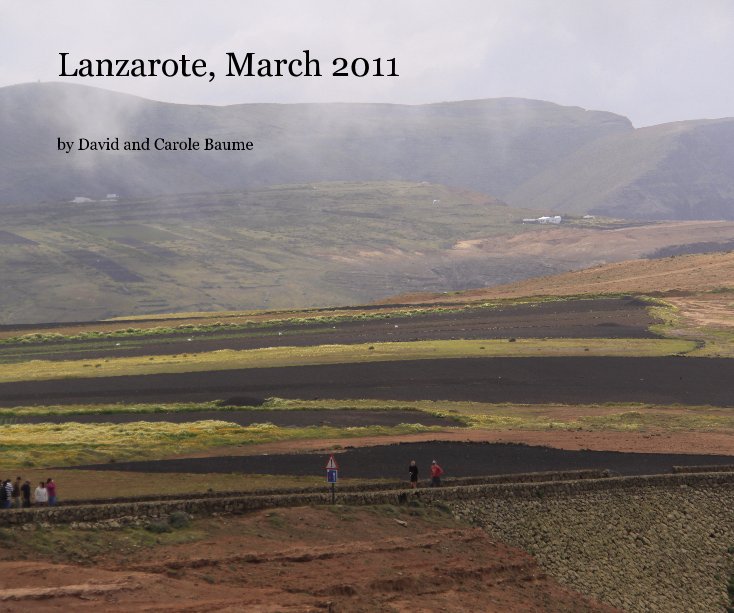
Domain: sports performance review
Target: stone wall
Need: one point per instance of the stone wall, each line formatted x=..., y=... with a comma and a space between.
x=529, y=488
x=708, y=468
x=666, y=546
x=568, y=475
x=245, y=502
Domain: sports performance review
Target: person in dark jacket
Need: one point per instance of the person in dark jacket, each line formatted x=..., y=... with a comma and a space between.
x=16, y=493
x=413, y=472
x=5, y=494
x=25, y=490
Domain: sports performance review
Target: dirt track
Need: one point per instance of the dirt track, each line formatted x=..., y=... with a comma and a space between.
x=604, y=318
x=458, y=459
x=570, y=380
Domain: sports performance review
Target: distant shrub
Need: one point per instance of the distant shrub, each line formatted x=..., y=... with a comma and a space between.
x=276, y=520
x=158, y=527
x=179, y=519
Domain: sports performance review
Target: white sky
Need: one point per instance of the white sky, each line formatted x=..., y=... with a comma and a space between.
x=651, y=60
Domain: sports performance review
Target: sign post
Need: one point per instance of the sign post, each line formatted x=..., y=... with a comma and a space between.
x=332, y=476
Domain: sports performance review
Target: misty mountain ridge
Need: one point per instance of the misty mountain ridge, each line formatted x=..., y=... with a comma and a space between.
x=488, y=145
x=530, y=153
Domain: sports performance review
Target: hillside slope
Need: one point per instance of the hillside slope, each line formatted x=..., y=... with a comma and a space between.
x=280, y=247
x=678, y=275
x=292, y=246
x=671, y=171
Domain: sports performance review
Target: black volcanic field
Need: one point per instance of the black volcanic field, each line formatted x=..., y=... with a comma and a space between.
x=570, y=380
x=458, y=459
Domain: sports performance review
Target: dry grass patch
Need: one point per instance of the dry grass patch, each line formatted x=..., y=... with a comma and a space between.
x=28, y=445
x=707, y=320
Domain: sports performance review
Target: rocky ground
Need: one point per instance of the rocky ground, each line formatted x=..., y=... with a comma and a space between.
x=645, y=550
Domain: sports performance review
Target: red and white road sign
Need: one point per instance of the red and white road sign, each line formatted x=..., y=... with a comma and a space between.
x=331, y=464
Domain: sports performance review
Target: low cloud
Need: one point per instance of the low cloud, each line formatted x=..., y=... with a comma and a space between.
x=657, y=61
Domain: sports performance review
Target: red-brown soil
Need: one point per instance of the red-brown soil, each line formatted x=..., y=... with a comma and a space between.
x=302, y=559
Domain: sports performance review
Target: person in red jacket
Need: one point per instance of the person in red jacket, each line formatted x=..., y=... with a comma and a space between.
x=436, y=472
x=51, y=489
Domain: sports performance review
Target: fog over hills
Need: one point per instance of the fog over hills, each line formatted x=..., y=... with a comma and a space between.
x=493, y=146
x=530, y=153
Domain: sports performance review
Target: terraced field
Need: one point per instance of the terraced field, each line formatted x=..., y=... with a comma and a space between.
x=593, y=318
x=94, y=393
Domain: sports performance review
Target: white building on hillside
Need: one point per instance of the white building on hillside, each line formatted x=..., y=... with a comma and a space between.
x=545, y=219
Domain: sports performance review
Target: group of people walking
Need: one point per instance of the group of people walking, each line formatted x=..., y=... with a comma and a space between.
x=17, y=494
x=436, y=472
